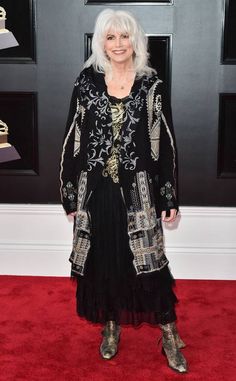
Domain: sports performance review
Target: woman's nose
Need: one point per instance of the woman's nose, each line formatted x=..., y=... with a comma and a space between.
x=118, y=42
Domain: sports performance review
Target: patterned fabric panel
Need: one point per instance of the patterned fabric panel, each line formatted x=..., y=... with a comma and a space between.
x=112, y=164
x=81, y=239
x=145, y=229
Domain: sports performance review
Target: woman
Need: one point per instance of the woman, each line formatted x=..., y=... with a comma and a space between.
x=118, y=181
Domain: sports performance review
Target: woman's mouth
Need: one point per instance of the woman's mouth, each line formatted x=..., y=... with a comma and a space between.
x=118, y=51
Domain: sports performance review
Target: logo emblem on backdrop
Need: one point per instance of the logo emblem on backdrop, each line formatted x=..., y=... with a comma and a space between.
x=7, y=39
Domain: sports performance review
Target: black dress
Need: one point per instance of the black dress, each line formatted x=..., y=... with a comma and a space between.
x=110, y=288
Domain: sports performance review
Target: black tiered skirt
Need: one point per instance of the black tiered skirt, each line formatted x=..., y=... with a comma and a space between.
x=110, y=288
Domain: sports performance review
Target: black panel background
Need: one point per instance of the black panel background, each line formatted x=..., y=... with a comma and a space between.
x=227, y=136
x=195, y=95
x=229, y=48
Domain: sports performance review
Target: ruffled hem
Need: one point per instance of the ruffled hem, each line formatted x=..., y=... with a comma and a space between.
x=148, y=298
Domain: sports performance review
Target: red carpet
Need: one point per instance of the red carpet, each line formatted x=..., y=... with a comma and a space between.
x=41, y=338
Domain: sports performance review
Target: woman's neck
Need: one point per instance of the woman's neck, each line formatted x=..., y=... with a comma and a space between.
x=120, y=81
x=122, y=71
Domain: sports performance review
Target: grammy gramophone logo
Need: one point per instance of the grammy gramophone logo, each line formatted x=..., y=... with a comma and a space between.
x=3, y=135
x=7, y=151
x=7, y=39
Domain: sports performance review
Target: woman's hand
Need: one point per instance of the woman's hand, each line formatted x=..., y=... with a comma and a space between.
x=172, y=216
x=73, y=214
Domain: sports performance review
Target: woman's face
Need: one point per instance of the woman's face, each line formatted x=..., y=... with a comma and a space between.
x=118, y=47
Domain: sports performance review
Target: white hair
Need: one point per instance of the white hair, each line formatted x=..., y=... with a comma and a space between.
x=122, y=22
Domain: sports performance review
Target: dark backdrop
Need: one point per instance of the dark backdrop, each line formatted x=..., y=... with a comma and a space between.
x=197, y=79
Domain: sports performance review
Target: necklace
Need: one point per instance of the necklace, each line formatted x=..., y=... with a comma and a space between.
x=121, y=84
x=126, y=82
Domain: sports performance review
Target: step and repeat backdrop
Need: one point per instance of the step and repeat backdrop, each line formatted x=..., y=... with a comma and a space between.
x=43, y=45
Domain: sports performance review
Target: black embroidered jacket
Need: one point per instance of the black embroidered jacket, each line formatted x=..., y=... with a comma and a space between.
x=147, y=164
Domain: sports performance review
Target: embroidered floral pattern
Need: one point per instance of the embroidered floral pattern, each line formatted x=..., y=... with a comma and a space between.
x=69, y=192
x=98, y=138
x=101, y=138
x=168, y=192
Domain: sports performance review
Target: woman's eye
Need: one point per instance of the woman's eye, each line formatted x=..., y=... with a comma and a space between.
x=110, y=37
x=125, y=36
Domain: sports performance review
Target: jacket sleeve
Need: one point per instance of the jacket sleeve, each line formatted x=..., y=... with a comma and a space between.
x=167, y=158
x=68, y=176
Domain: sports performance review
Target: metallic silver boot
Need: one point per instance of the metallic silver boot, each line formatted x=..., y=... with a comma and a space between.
x=111, y=336
x=170, y=348
x=179, y=341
